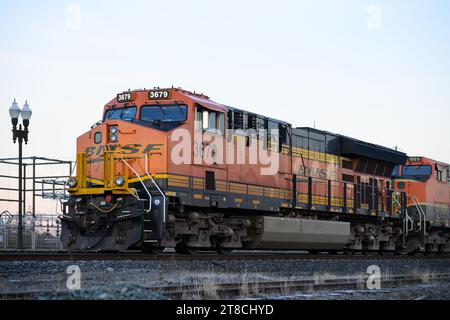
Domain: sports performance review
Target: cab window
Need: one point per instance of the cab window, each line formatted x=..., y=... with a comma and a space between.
x=261, y=129
x=416, y=171
x=164, y=113
x=273, y=132
x=448, y=174
x=209, y=121
x=126, y=114
x=440, y=174
x=395, y=173
x=419, y=173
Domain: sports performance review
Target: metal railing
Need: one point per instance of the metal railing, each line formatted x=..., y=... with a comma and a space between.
x=40, y=232
x=422, y=216
x=35, y=183
x=346, y=195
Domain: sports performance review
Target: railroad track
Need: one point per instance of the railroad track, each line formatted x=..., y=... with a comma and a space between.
x=232, y=290
x=138, y=256
x=285, y=287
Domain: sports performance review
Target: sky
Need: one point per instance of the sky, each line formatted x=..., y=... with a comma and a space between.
x=375, y=70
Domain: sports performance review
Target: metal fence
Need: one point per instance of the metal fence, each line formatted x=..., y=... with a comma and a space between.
x=40, y=232
x=36, y=183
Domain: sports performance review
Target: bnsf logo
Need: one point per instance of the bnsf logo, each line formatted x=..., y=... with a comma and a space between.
x=125, y=149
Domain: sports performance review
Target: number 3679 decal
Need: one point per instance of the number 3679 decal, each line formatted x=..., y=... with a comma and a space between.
x=159, y=94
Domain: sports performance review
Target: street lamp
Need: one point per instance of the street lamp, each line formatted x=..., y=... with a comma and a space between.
x=21, y=135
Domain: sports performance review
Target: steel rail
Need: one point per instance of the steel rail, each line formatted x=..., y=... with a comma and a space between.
x=230, y=290
x=137, y=256
x=284, y=286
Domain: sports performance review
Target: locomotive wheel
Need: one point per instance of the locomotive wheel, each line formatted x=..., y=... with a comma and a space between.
x=411, y=247
x=182, y=248
x=224, y=251
x=151, y=249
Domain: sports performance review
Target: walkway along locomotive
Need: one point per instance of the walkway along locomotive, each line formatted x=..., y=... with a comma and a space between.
x=280, y=187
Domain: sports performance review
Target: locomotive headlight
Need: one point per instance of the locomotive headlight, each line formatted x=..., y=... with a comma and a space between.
x=113, y=130
x=113, y=134
x=157, y=202
x=113, y=138
x=72, y=182
x=120, y=181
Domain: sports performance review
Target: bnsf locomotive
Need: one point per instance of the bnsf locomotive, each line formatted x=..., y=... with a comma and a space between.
x=136, y=188
x=425, y=184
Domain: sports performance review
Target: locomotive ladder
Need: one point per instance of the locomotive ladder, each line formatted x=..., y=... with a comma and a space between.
x=408, y=226
x=422, y=216
x=147, y=221
x=408, y=221
x=157, y=187
x=143, y=184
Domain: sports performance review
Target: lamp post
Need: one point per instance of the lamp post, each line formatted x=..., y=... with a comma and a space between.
x=20, y=134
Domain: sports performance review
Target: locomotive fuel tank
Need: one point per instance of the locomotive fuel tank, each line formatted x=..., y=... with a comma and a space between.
x=298, y=234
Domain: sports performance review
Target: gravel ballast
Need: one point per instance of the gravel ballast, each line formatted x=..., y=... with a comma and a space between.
x=129, y=279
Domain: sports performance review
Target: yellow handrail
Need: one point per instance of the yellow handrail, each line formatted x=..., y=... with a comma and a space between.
x=81, y=170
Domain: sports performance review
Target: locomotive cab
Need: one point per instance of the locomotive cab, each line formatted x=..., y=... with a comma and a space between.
x=118, y=196
x=428, y=186
x=426, y=183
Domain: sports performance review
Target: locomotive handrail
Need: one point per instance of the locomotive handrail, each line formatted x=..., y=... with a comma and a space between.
x=142, y=182
x=96, y=124
x=303, y=163
x=395, y=200
x=406, y=228
x=409, y=219
x=343, y=196
x=421, y=213
x=157, y=187
x=302, y=179
x=62, y=196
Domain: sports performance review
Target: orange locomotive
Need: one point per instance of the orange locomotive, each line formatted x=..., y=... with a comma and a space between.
x=426, y=185
x=172, y=168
